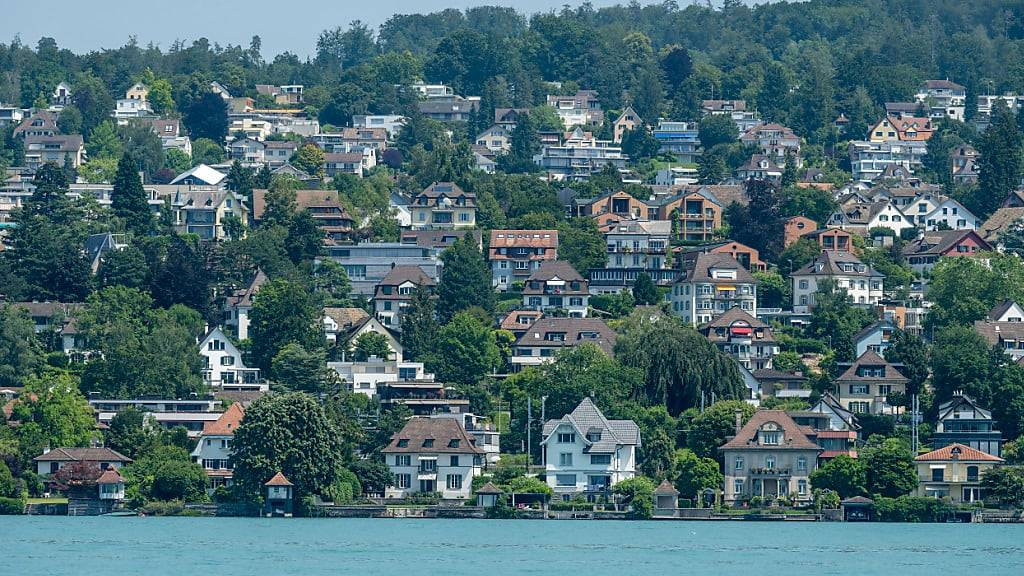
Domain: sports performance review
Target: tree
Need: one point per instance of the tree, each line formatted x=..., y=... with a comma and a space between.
x=640, y=143
x=288, y=433
x=910, y=351
x=207, y=117
x=963, y=290
x=711, y=429
x=93, y=101
x=679, y=364
x=70, y=121
x=21, y=355
x=835, y=320
x=143, y=146
x=310, y=159
x=523, y=145
x=814, y=203
x=772, y=290
x=370, y=344
x=1005, y=486
x=638, y=493
x=762, y=226
x=305, y=238
x=717, y=129
x=331, y=281
x=206, y=151
x=374, y=475
x=127, y=432
x=419, y=325
x=645, y=292
x=465, y=280
x=129, y=200
x=180, y=275
x=164, y=472
x=711, y=167
x=464, y=351
x=581, y=244
x=284, y=312
x=842, y=474
x=1000, y=161
x=53, y=413
x=889, y=469
x=696, y=474
x=296, y=369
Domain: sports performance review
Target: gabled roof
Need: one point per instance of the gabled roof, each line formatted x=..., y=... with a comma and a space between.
x=576, y=330
x=871, y=358
x=489, y=488
x=738, y=315
x=697, y=268
x=999, y=309
x=831, y=262
x=227, y=423
x=995, y=332
x=346, y=317
x=794, y=437
x=555, y=269
x=942, y=85
x=958, y=400
x=444, y=436
x=399, y=275
x=666, y=489
x=279, y=479
x=110, y=476
x=203, y=173
x=511, y=320
x=243, y=297
x=82, y=455
x=588, y=419
x=959, y=452
x=939, y=242
x=880, y=325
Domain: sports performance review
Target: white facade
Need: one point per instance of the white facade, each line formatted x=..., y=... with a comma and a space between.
x=224, y=365
x=952, y=215
x=366, y=377
x=861, y=282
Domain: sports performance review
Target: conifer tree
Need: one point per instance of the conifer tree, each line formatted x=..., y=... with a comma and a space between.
x=129, y=198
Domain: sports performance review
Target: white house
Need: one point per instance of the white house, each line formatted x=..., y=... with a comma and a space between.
x=952, y=215
x=586, y=452
x=213, y=449
x=50, y=461
x=556, y=285
x=863, y=284
x=431, y=455
x=860, y=218
x=238, y=305
x=368, y=376
x=224, y=366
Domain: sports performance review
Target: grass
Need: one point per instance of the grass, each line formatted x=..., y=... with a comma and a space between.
x=56, y=500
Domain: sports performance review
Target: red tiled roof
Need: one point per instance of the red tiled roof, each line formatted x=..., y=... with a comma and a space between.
x=110, y=476
x=966, y=454
x=227, y=423
x=793, y=437
x=278, y=480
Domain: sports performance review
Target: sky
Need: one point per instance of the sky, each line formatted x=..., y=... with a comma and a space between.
x=85, y=25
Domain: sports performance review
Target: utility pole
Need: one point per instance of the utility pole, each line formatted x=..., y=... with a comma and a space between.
x=543, y=452
x=529, y=422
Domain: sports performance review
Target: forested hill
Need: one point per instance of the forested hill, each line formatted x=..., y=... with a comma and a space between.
x=799, y=63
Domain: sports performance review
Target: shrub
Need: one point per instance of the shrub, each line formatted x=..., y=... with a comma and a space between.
x=12, y=506
x=911, y=509
x=639, y=493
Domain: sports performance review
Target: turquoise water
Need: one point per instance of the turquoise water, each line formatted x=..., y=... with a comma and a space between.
x=250, y=547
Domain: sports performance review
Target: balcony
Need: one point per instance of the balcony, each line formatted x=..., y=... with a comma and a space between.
x=770, y=472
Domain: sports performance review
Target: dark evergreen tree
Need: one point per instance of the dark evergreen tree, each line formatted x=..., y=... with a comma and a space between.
x=419, y=325
x=645, y=292
x=207, y=117
x=1000, y=162
x=128, y=198
x=465, y=280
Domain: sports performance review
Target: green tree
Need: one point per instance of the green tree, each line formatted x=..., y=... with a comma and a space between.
x=206, y=151
x=465, y=281
x=310, y=159
x=842, y=474
x=711, y=429
x=581, y=244
x=372, y=344
x=284, y=312
x=104, y=142
x=53, y=413
x=288, y=433
x=129, y=200
x=645, y=292
x=419, y=325
x=963, y=290
x=717, y=129
x=711, y=167
x=889, y=469
x=523, y=145
x=127, y=433
x=21, y=355
x=331, y=281
x=1005, y=486
x=206, y=117
x=464, y=351
x=696, y=474
x=772, y=290
x=835, y=320
x=70, y=121
x=638, y=493
x=1000, y=161
x=296, y=369
x=814, y=203
x=912, y=352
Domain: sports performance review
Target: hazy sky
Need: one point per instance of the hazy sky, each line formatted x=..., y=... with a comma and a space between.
x=283, y=25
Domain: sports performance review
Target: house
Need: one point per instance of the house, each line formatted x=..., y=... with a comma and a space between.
x=338, y=321
x=548, y=336
x=1006, y=333
x=202, y=211
x=391, y=123
x=760, y=167
x=323, y=205
x=944, y=99
x=901, y=129
x=910, y=318
x=744, y=337
x=580, y=109
x=395, y=292
x=697, y=210
x=58, y=319
x=385, y=378
x=954, y=472
x=584, y=452
x=238, y=305
x=952, y=215
x=870, y=160
x=347, y=335
x=449, y=108
x=10, y=115
x=680, y=139
x=201, y=175
x=225, y=367
x=876, y=336
x=556, y=285
x=279, y=498
x=110, y=485
x=367, y=263
x=628, y=120
x=336, y=163
x=50, y=461
x=834, y=429
x=287, y=94
x=191, y=413
x=749, y=257
x=862, y=283
x=248, y=127
x=711, y=284
x=484, y=432
x=924, y=253
x=443, y=205
x=860, y=218
x=96, y=245
x=961, y=420
x=61, y=96
x=128, y=109
x=431, y=455
x=775, y=142
x=865, y=386
x=634, y=247
x=40, y=123
x=769, y=457
x=580, y=159
x=964, y=164
x=213, y=449
x=778, y=384
x=59, y=150
x=515, y=254
x=615, y=203
x=796, y=227
x=519, y=321
x=496, y=140
x=509, y=117
x=1001, y=221
x=833, y=239
x=735, y=109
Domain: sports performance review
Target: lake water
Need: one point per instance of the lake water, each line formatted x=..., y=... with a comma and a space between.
x=251, y=547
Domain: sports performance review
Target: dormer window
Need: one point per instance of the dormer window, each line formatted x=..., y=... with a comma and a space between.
x=428, y=443
x=453, y=443
x=403, y=443
x=594, y=436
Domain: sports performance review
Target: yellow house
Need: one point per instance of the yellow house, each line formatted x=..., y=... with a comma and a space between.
x=954, y=472
x=884, y=131
x=628, y=120
x=138, y=91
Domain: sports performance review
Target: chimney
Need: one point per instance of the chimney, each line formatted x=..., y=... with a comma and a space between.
x=739, y=421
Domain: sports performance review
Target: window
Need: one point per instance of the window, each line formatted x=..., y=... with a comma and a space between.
x=771, y=438
x=860, y=407
x=216, y=345
x=565, y=459
x=972, y=473
x=403, y=480
x=801, y=487
x=455, y=481
x=428, y=466
x=739, y=463
x=566, y=438
x=803, y=284
x=801, y=465
x=565, y=479
x=601, y=459
x=403, y=460
x=737, y=486
x=453, y=443
x=403, y=443
x=937, y=474
x=769, y=462
x=227, y=361
x=454, y=463
x=428, y=443
x=860, y=389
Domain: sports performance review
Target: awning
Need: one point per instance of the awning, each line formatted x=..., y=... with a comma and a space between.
x=742, y=330
x=727, y=287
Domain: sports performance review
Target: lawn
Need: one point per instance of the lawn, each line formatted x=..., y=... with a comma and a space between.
x=48, y=500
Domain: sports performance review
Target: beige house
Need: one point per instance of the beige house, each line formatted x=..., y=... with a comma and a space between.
x=770, y=457
x=954, y=472
x=444, y=206
x=865, y=386
x=628, y=120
